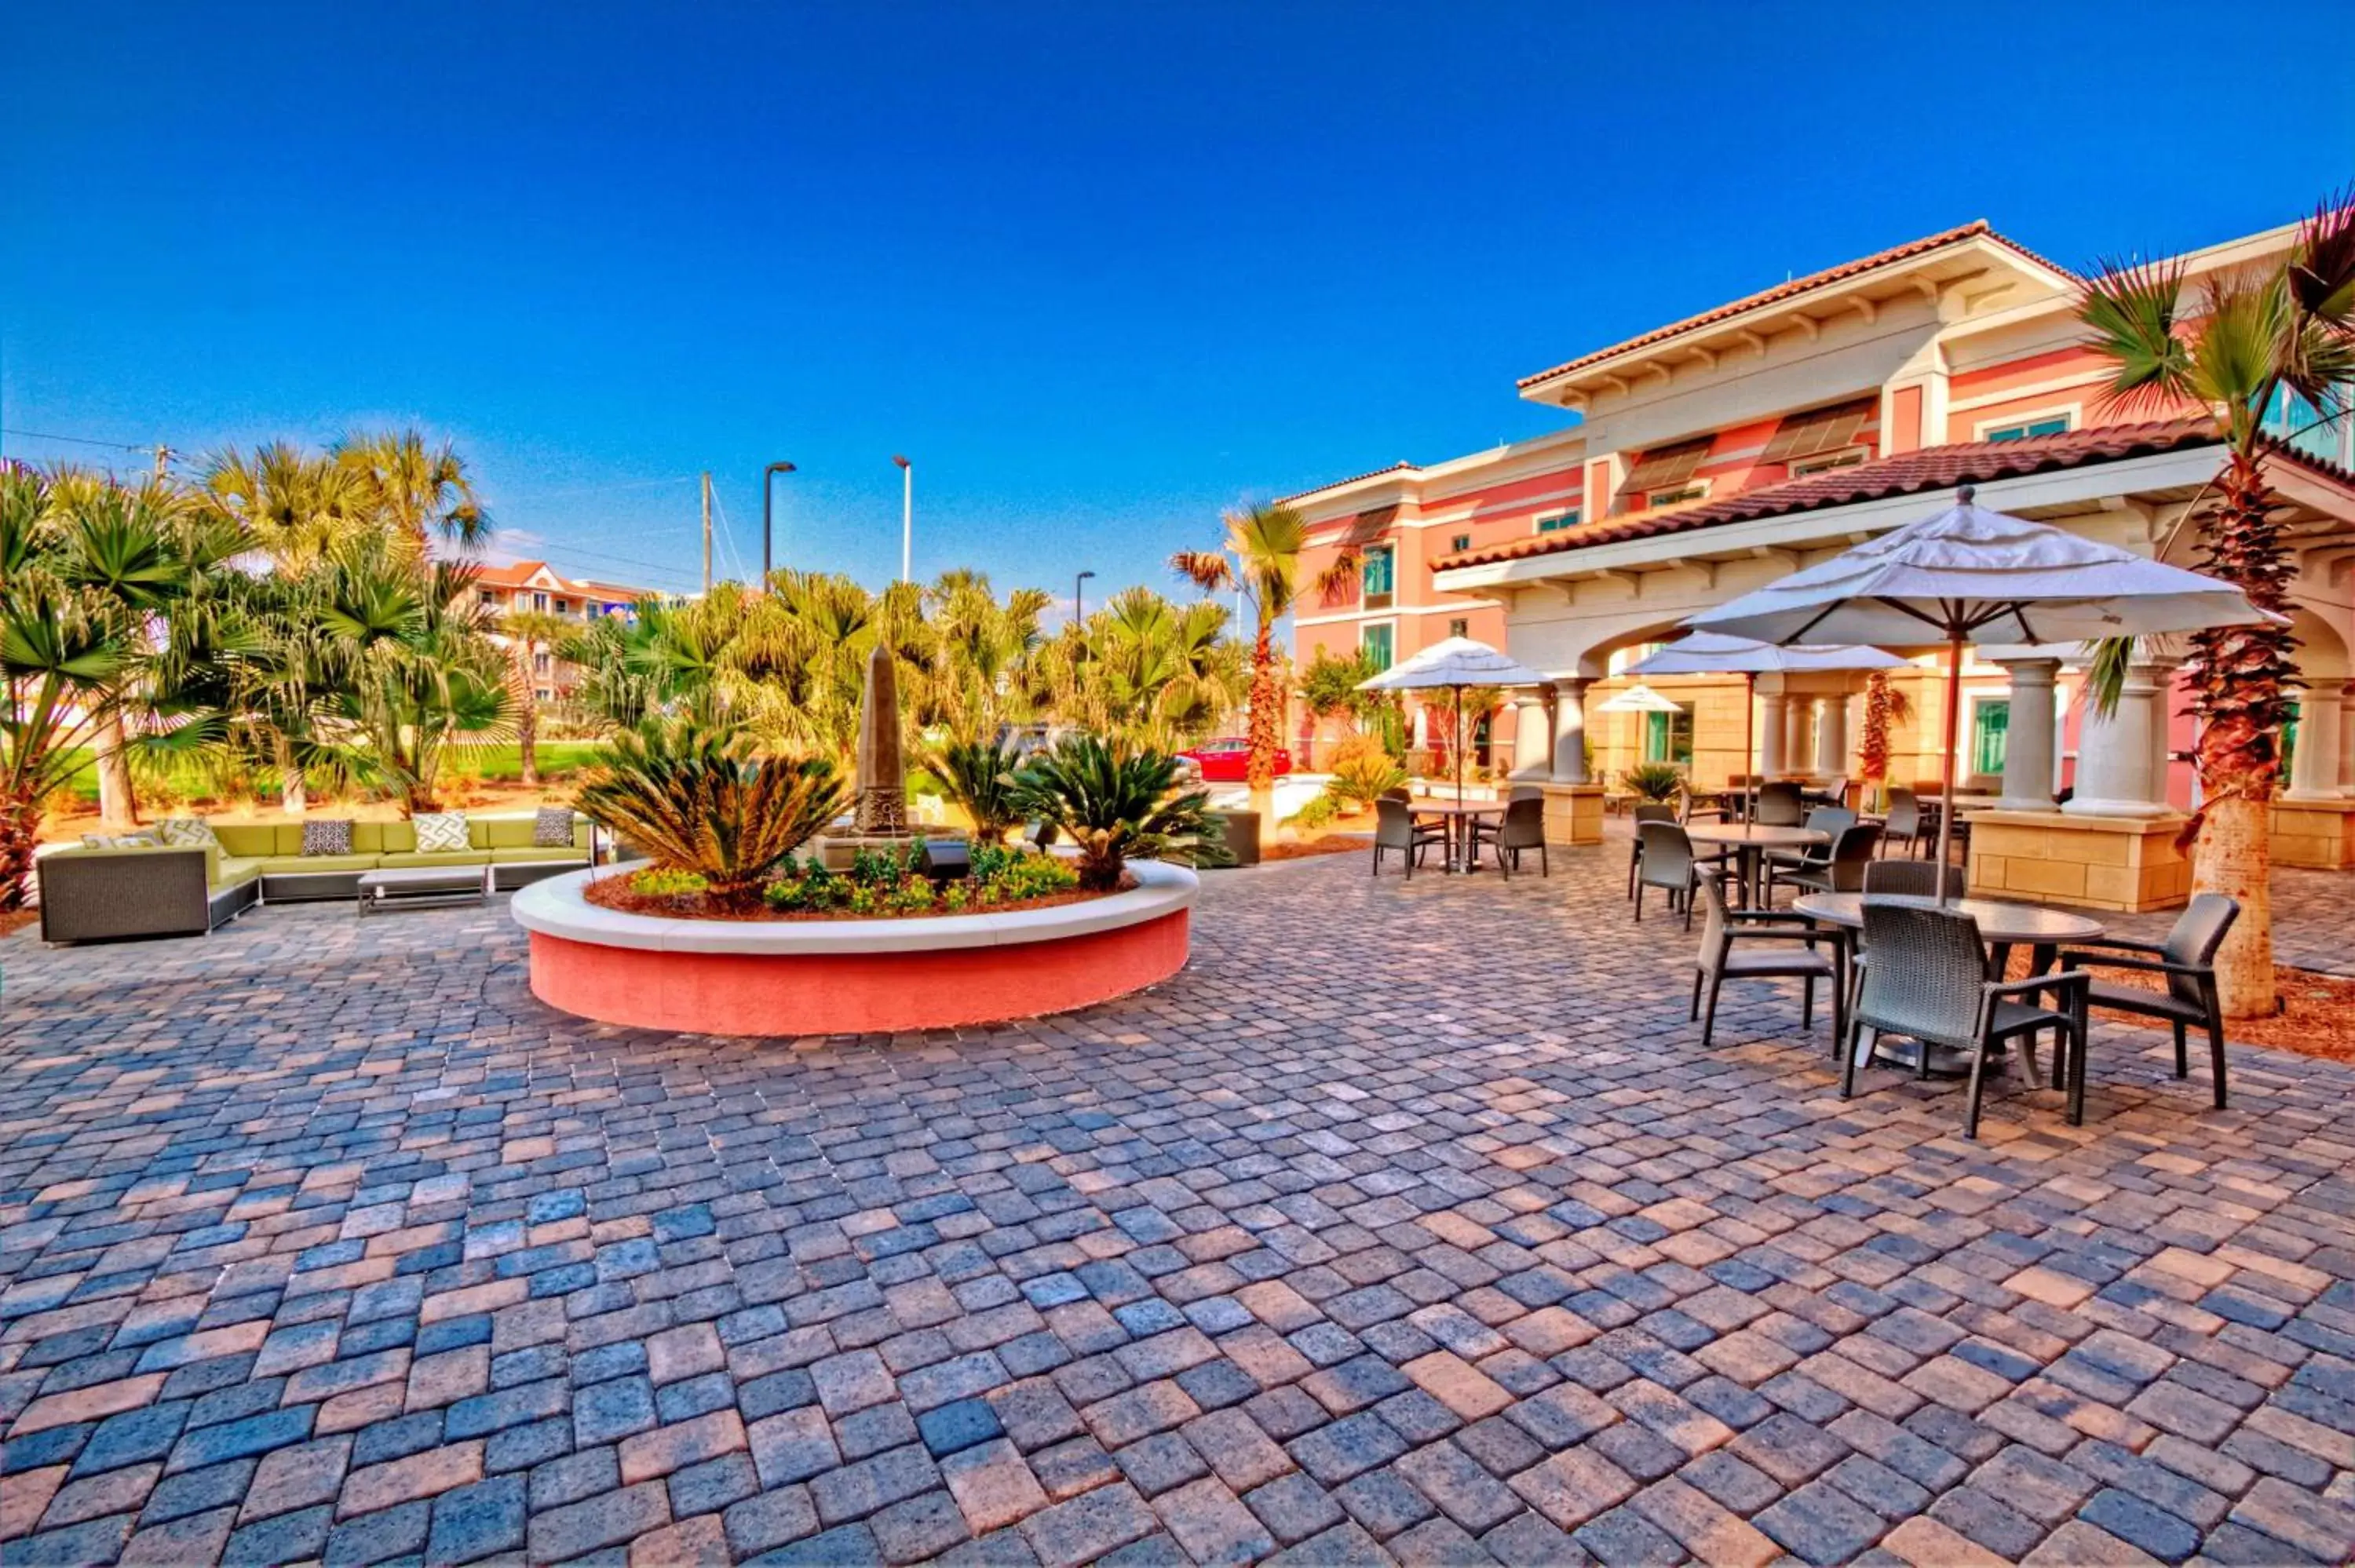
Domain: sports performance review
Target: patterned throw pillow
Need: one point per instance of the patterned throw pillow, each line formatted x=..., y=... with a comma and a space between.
x=440, y=832
x=551, y=828
x=188, y=833
x=142, y=839
x=332, y=836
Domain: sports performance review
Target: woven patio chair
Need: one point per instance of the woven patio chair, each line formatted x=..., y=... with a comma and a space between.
x=2187, y=959
x=1761, y=944
x=1395, y=830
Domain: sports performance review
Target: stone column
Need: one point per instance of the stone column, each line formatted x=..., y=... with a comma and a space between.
x=1772, y=733
x=1533, y=736
x=2028, y=747
x=2314, y=770
x=1796, y=733
x=2347, y=743
x=1831, y=738
x=2115, y=754
x=1570, y=730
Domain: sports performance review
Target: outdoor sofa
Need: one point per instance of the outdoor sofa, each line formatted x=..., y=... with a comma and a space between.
x=100, y=895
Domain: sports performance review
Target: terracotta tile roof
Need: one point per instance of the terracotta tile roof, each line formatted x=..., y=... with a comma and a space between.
x=1976, y=228
x=518, y=574
x=1904, y=473
x=1400, y=466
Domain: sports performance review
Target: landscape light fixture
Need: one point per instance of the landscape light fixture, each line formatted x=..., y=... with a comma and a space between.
x=906, y=514
x=1079, y=606
x=767, y=515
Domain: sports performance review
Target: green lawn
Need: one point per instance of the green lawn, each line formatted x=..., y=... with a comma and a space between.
x=557, y=759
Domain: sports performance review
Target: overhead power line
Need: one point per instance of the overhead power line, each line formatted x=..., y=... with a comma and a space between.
x=81, y=441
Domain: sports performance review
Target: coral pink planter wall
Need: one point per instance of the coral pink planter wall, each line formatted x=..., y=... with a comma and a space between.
x=852, y=993
x=843, y=976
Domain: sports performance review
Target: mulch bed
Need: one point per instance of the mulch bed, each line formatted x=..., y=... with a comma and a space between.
x=14, y=920
x=615, y=893
x=1302, y=848
x=2318, y=1016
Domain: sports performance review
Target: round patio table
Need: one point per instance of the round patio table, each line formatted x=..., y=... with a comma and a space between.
x=1750, y=844
x=2003, y=926
x=1456, y=812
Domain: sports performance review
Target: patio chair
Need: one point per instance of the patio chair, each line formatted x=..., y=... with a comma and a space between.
x=1902, y=820
x=2187, y=959
x=1841, y=868
x=1523, y=828
x=1928, y=982
x=1912, y=879
x=1828, y=820
x=1779, y=804
x=1395, y=829
x=1781, y=946
x=1666, y=863
x=1649, y=811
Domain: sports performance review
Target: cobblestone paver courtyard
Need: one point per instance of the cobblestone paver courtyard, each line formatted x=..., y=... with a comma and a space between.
x=1411, y=1221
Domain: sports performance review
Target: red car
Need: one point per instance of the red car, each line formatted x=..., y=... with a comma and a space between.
x=1229, y=761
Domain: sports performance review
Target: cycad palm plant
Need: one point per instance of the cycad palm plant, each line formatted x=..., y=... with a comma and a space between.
x=702, y=797
x=980, y=776
x=1115, y=802
x=2230, y=347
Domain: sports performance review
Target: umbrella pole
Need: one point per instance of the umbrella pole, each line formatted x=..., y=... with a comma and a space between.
x=1953, y=731
x=1458, y=695
x=1749, y=746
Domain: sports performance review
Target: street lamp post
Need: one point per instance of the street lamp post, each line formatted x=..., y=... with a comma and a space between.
x=907, y=515
x=1079, y=602
x=767, y=515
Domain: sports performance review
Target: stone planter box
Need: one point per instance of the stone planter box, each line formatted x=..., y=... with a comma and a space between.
x=850, y=976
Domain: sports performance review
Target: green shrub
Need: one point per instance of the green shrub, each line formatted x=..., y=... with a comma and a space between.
x=667, y=882
x=1653, y=781
x=979, y=776
x=1361, y=771
x=1113, y=802
x=1320, y=810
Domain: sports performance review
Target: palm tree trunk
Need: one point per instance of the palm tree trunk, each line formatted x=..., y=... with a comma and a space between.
x=293, y=798
x=1263, y=730
x=118, y=804
x=526, y=717
x=20, y=830
x=2239, y=675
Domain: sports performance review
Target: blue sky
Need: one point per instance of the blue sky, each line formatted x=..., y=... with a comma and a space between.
x=1099, y=270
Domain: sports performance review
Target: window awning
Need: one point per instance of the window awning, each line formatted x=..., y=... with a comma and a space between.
x=1663, y=467
x=1819, y=430
x=1368, y=526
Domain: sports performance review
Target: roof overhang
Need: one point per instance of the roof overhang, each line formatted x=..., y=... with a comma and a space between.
x=2061, y=490
x=1970, y=272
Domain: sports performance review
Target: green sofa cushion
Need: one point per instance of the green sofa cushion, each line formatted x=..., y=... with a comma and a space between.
x=457, y=857
x=501, y=833
x=399, y=837
x=525, y=853
x=231, y=871
x=294, y=865
x=247, y=840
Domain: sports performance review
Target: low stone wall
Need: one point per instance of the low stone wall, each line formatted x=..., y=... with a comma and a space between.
x=2319, y=833
x=2124, y=863
x=1574, y=814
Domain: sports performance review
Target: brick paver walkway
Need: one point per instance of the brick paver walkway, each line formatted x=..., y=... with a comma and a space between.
x=1409, y=1221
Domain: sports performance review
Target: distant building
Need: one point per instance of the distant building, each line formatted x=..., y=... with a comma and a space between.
x=535, y=586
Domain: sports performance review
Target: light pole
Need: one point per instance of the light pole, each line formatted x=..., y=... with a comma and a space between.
x=1079, y=601
x=906, y=514
x=767, y=513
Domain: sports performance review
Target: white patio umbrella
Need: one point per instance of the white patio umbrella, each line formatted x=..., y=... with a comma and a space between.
x=1714, y=653
x=1640, y=698
x=1968, y=575
x=1454, y=664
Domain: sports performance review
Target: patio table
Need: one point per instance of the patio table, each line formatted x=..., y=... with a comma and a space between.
x=1453, y=814
x=2003, y=926
x=1750, y=844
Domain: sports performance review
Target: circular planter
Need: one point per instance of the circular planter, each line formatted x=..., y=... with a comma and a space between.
x=850, y=976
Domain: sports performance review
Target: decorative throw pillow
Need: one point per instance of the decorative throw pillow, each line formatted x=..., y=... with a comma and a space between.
x=440, y=832
x=188, y=833
x=330, y=837
x=142, y=839
x=551, y=828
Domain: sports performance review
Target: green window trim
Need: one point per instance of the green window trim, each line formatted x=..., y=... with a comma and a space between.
x=1558, y=522
x=1379, y=644
x=1990, y=735
x=1669, y=737
x=2049, y=424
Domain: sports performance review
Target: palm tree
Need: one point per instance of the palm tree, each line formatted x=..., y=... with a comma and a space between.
x=1262, y=558
x=422, y=491
x=2231, y=348
x=529, y=633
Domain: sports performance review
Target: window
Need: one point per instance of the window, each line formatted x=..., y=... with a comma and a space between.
x=1461, y=542
x=1990, y=725
x=1802, y=437
x=542, y=662
x=1558, y=522
x=540, y=601
x=1847, y=459
x=1669, y=737
x=1376, y=643
x=2044, y=424
x=1459, y=627
x=1663, y=471
x=1377, y=572
x=1682, y=492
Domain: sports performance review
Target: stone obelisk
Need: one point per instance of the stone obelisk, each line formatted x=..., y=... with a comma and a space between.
x=882, y=772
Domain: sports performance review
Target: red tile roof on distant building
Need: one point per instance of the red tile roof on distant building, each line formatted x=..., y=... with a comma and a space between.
x=1902, y=473
x=519, y=574
x=1911, y=250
